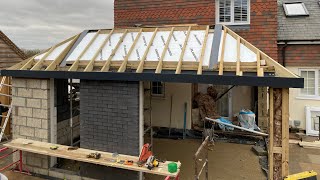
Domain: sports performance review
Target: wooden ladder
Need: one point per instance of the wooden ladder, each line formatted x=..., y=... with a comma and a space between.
x=7, y=117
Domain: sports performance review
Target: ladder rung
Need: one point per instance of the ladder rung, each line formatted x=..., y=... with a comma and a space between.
x=5, y=95
x=6, y=85
x=5, y=105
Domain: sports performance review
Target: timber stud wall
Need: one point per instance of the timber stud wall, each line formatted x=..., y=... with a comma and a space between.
x=262, y=31
x=31, y=118
x=109, y=121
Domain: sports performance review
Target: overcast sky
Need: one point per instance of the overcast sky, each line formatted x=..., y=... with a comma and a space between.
x=39, y=24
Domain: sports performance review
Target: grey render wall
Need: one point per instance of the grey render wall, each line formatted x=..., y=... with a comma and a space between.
x=109, y=121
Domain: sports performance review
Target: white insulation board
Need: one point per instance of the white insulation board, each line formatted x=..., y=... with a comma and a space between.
x=157, y=46
x=108, y=48
x=94, y=47
x=141, y=46
x=125, y=46
x=81, y=46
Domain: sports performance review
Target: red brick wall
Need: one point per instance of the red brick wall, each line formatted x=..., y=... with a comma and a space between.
x=262, y=31
x=301, y=55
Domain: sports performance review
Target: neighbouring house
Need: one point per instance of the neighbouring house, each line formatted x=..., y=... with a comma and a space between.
x=10, y=54
x=299, y=51
x=254, y=20
x=119, y=83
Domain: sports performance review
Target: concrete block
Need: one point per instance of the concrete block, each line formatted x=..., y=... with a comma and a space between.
x=18, y=101
x=34, y=103
x=34, y=122
x=41, y=171
x=45, y=163
x=23, y=92
x=56, y=174
x=41, y=94
x=23, y=111
x=259, y=151
x=72, y=177
x=19, y=82
x=44, y=124
x=44, y=104
x=34, y=161
x=34, y=83
x=41, y=133
x=41, y=113
x=26, y=131
x=21, y=121
x=45, y=84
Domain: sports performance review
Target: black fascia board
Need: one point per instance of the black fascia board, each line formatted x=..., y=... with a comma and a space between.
x=248, y=79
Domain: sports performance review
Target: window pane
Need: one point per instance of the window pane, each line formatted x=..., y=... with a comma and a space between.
x=225, y=10
x=295, y=9
x=240, y=10
x=309, y=82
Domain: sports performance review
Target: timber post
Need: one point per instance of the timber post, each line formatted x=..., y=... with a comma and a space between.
x=278, y=133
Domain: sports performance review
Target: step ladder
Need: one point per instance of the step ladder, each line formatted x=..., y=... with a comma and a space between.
x=7, y=117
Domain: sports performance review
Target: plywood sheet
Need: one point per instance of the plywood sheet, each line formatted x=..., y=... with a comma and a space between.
x=80, y=155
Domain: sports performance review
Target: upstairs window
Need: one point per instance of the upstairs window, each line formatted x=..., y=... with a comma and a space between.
x=311, y=82
x=233, y=12
x=295, y=9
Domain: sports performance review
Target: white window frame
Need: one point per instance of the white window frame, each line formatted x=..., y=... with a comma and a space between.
x=309, y=130
x=292, y=15
x=316, y=96
x=158, y=95
x=232, y=14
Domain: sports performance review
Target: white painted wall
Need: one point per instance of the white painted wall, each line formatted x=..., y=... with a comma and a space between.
x=297, y=103
x=181, y=93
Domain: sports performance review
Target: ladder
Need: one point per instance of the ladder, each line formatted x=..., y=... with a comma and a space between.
x=7, y=117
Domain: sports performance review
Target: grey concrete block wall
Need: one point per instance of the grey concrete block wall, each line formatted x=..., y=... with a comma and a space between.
x=109, y=121
x=31, y=117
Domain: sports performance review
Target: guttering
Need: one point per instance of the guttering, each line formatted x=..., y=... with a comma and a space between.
x=299, y=42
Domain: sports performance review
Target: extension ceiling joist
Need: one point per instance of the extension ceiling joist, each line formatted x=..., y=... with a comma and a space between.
x=191, y=48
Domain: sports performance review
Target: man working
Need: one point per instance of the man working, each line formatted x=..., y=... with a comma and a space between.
x=3, y=109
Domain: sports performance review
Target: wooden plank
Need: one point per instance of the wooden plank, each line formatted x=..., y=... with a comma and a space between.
x=222, y=51
x=141, y=64
x=81, y=153
x=20, y=64
x=238, y=57
x=75, y=65
x=123, y=66
x=90, y=65
x=280, y=70
x=40, y=63
x=59, y=58
x=203, y=50
x=29, y=63
x=106, y=65
x=277, y=150
x=285, y=132
x=159, y=66
x=178, y=70
x=270, y=148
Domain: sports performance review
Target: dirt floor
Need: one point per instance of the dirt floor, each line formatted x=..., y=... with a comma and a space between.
x=226, y=161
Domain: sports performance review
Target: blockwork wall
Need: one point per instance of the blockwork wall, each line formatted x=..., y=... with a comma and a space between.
x=109, y=121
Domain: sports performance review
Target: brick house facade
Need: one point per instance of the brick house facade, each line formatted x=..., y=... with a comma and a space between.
x=261, y=32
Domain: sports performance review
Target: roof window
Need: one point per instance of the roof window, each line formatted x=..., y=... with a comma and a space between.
x=295, y=9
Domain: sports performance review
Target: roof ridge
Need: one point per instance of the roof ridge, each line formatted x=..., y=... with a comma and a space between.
x=14, y=47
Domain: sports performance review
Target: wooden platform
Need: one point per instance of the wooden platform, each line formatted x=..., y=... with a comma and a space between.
x=80, y=155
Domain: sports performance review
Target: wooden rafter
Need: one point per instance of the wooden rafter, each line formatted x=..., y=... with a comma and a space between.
x=28, y=63
x=106, y=65
x=178, y=70
x=260, y=71
x=125, y=61
x=203, y=50
x=222, y=51
x=91, y=63
x=271, y=129
x=280, y=70
x=75, y=65
x=59, y=58
x=141, y=64
x=159, y=66
x=39, y=64
x=238, y=71
x=285, y=132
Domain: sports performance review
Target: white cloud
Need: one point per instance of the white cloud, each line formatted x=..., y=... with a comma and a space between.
x=42, y=23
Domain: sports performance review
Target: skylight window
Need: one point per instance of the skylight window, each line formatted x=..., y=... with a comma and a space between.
x=295, y=9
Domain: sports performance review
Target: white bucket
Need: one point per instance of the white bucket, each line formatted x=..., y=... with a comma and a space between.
x=3, y=177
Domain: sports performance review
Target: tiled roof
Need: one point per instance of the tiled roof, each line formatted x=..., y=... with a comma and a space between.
x=299, y=27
